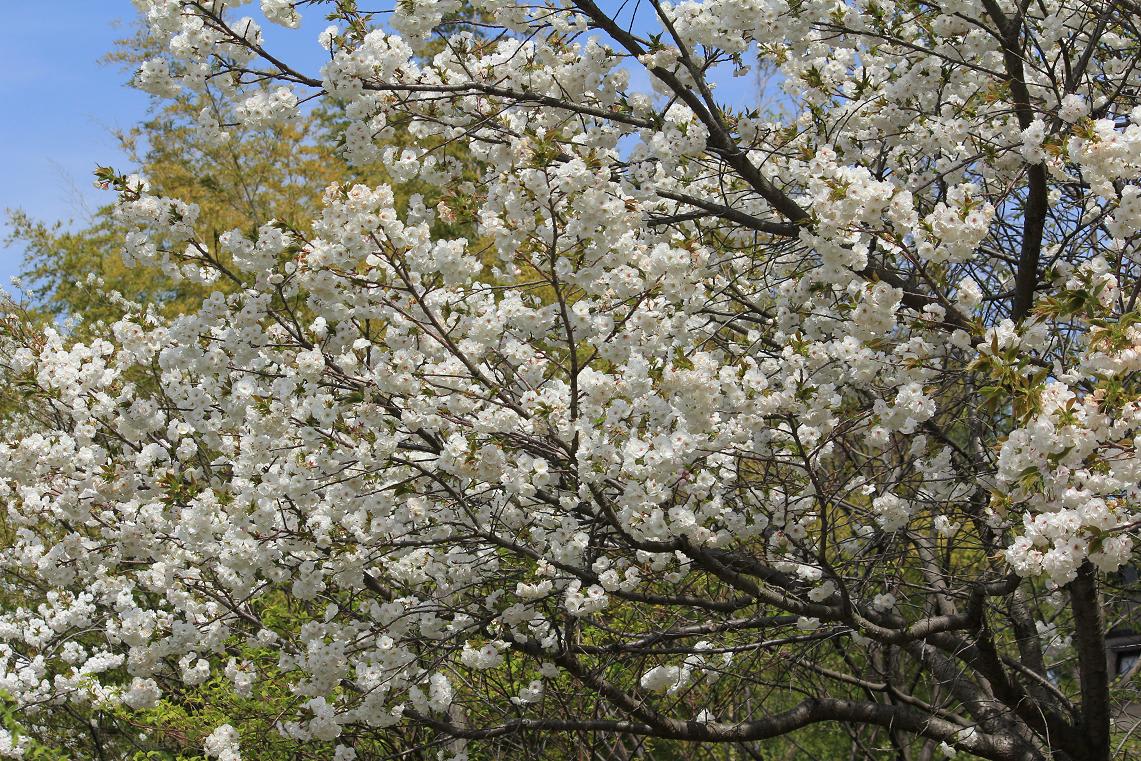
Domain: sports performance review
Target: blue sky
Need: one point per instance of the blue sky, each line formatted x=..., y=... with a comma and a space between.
x=62, y=106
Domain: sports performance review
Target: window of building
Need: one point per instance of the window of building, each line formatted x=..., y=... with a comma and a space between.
x=1126, y=661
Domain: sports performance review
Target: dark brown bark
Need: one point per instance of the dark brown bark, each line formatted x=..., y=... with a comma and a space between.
x=1093, y=671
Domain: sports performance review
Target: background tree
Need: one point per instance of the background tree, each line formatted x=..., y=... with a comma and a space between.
x=723, y=429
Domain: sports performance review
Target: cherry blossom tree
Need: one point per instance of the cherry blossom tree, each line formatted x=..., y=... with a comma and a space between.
x=714, y=427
